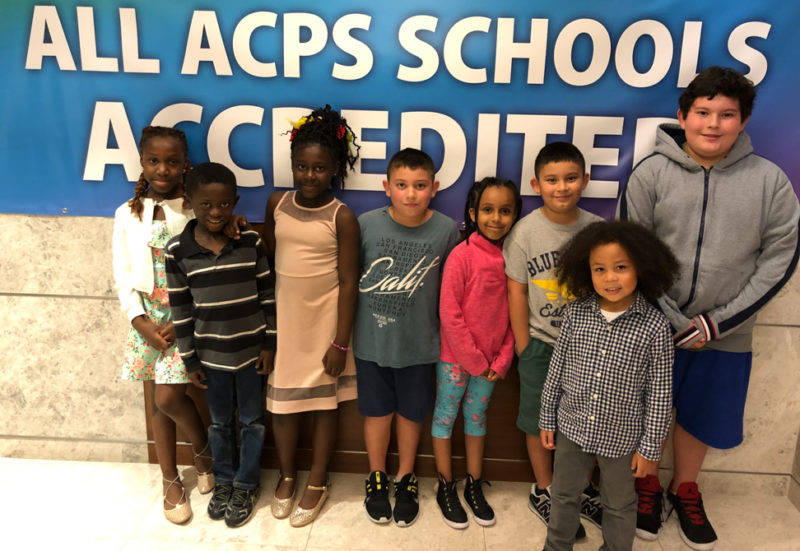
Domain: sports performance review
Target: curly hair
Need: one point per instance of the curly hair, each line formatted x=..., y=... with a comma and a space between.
x=656, y=266
x=474, y=201
x=148, y=133
x=720, y=80
x=327, y=128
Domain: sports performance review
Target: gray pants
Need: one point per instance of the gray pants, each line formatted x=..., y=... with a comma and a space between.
x=617, y=494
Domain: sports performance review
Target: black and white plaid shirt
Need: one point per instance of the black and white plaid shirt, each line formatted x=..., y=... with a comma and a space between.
x=609, y=385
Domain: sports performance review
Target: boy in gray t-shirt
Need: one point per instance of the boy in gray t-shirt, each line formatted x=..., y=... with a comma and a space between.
x=536, y=303
x=396, y=336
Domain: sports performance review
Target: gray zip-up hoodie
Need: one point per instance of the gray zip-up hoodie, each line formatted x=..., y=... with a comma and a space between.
x=733, y=228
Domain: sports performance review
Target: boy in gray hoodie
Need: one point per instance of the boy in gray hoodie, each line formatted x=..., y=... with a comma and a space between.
x=731, y=218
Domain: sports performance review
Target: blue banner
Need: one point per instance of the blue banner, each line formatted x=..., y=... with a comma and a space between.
x=480, y=88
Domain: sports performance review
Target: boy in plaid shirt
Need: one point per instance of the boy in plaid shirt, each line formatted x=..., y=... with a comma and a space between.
x=608, y=389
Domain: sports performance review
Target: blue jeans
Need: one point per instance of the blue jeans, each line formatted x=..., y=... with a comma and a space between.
x=229, y=391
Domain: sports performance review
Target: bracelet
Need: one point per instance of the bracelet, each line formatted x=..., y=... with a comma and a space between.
x=338, y=347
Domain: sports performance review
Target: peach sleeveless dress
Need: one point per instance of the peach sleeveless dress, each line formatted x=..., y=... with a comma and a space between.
x=306, y=296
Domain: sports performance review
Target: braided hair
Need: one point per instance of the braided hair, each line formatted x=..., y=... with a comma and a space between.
x=474, y=201
x=327, y=128
x=148, y=133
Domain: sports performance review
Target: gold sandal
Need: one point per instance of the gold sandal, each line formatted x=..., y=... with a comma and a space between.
x=281, y=507
x=180, y=512
x=301, y=517
x=205, y=481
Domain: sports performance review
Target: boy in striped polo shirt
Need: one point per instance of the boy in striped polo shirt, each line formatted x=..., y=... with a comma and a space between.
x=223, y=307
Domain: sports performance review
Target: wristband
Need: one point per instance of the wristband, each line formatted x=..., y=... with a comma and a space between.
x=338, y=347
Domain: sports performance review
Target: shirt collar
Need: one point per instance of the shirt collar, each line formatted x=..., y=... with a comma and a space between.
x=484, y=244
x=638, y=307
x=192, y=247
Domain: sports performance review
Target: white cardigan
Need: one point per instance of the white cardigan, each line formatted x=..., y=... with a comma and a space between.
x=132, y=260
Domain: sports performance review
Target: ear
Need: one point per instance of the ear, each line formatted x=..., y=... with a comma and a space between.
x=535, y=185
x=585, y=181
x=472, y=215
x=681, y=120
x=744, y=122
x=235, y=201
x=187, y=201
x=435, y=188
x=386, y=187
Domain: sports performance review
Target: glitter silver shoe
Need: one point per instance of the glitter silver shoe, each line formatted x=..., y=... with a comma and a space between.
x=281, y=507
x=301, y=517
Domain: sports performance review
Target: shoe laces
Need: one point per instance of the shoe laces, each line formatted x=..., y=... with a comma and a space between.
x=449, y=493
x=692, y=504
x=475, y=491
x=223, y=492
x=239, y=497
x=403, y=490
x=379, y=487
x=647, y=500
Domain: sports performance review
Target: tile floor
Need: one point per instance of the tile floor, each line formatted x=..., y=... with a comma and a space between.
x=65, y=505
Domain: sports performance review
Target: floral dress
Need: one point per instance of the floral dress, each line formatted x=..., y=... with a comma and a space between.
x=142, y=361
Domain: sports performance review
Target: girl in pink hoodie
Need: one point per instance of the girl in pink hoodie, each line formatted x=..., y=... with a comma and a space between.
x=477, y=343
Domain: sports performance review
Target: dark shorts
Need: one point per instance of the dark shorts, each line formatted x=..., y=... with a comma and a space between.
x=408, y=391
x=532, y=366
x=709, y=389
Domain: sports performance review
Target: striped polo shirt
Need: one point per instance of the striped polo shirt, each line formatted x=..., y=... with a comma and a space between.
x=223, y=305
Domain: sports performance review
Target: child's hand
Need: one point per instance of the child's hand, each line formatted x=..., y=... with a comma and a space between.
x=265, y=362
x=334, y=361
x=198, y=379
x=642, y=467
x=490, y=375
x=150, y=333
x=168, y=333
x=548, y=438
x=232, y=229
x=519, y=347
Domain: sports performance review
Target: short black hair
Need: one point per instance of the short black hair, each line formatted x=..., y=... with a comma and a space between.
x=413, y=159
x=474, y=200
x=656, y=266
x=557, y=152
x=209, y=173
x=720, y=80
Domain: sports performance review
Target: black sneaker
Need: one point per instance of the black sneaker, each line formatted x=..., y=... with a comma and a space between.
x=240, y=507
x=219, y=501
x=696, y=531
x=406, y=500
x=449, y=504
x=650, y=507
x=591, y=509
x=376, y=502
x=539, y=504
x=482, y=512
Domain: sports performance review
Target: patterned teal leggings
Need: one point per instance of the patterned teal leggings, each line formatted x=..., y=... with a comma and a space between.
x=452, y=382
